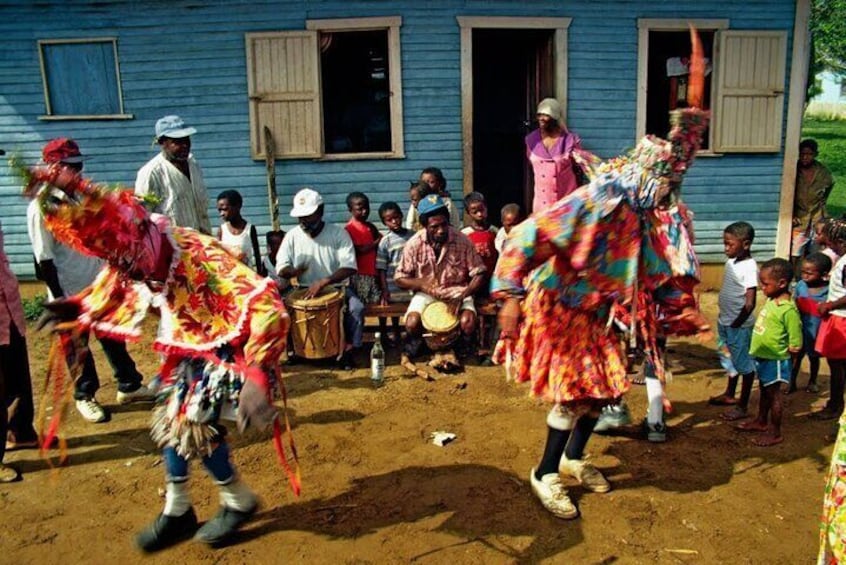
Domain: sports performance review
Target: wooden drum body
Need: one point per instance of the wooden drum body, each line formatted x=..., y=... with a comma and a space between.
x=441, y=325
x=317, y=324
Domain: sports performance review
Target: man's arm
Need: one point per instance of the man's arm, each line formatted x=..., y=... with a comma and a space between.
x=337, y=277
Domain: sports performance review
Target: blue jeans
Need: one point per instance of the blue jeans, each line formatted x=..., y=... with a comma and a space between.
x=217, y=464
x=354, y=318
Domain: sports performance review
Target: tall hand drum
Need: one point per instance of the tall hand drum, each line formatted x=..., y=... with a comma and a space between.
x=441, y=325
x=317, y=324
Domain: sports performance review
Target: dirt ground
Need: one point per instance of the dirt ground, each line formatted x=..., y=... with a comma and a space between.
x=376, y=490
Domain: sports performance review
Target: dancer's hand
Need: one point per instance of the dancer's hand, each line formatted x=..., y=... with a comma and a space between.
x=509, y=318
x=254, y=409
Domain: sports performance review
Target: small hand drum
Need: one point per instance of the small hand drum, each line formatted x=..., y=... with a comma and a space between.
x=441, y=325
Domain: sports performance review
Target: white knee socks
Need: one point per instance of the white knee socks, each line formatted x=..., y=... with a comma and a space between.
x=237, y=496
x=177, y=499
x=655, y=397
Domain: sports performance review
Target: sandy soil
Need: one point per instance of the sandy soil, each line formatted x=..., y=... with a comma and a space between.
x=376, y=490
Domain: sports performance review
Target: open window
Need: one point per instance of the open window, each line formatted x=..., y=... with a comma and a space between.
x=81, y=79
x=332, y=91
x=745, y=91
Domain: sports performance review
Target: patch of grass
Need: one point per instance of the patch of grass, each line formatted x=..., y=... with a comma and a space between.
x=831, y=136
x=33, y=307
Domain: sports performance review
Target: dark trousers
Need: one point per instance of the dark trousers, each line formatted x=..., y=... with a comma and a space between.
x=128, y=377
x=15, y=391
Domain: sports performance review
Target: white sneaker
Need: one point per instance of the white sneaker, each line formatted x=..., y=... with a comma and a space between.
x=140, y=394
x=553, y=495
x=91, y=410
x=584, y=472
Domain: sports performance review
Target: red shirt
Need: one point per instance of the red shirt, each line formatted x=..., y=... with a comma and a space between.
x=362, y=233
x=485, y=243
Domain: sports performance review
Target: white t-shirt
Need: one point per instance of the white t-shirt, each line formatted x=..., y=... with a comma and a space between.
x=75, y=270
x=331, y=250
x=241, y=244
x=737, y=278
x=837, y=286
x=499, y=242
x=182, y=200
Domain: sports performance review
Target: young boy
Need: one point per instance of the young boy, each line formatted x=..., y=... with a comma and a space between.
x=480, y=232
x=268, y=262
x=415, y=193
x=235, y=233
x=810, y=292
x=510, y=216
x=365, y=237
x=776, y=337
x=388, y=256
x=734, y=325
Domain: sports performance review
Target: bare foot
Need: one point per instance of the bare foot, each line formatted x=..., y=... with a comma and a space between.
x=767, y=440
x=751, y=426
x=735, y=413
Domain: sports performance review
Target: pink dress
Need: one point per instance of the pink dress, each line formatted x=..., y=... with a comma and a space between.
x=553, y=168
x=11, y=309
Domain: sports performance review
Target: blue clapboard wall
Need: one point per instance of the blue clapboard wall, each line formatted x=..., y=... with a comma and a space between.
x=188, y=58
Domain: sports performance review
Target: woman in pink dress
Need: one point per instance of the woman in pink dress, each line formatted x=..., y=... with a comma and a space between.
x=549, y=149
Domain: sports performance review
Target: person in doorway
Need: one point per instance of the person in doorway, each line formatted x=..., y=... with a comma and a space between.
x=549, y=150
x=171, y=183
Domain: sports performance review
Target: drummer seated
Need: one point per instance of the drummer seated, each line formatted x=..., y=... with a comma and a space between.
x=439, y=263
x=321, y=255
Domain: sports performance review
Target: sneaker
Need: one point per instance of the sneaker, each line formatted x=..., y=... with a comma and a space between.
x=140, y=394
x=91, y=410
x=167, y=530
x=553, y=495
x=613, y=417
x=223, y=526
x=584, y=472
x=9, y=474
x=656, y=433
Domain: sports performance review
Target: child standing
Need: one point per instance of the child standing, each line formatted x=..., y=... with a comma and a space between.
x=831, y=339
x=810, y=292
x=510, y=216
x=822, y=242
x=776, y=337
x=415, y=193
x=268, y=262
x=235, y=233
x=434, y=178
x=480, y=232
x=388, y=256
x=734, y=324
x=365, y=237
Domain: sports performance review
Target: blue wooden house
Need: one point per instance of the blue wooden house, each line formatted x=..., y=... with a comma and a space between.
x=363, y=95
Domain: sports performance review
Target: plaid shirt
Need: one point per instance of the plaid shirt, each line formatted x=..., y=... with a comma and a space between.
x=457, y=264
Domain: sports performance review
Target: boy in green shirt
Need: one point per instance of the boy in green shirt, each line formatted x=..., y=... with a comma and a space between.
x=776, y=338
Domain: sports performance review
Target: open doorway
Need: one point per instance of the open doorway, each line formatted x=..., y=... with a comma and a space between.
x=512, y=70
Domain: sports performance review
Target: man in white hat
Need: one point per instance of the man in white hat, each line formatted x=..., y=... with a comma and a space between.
x=172, y=181
x=320, y=255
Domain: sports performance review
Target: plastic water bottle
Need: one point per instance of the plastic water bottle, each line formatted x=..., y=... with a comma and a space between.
x=377, y=362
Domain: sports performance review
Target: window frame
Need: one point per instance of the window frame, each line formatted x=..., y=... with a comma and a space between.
x=50, y=116
x=392, y=25
x=644, y=26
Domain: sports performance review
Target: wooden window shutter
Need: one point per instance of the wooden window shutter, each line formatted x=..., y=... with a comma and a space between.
x=284, y=88
x=749, y=104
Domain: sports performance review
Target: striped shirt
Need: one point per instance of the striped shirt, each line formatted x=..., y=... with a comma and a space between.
x=388, y=256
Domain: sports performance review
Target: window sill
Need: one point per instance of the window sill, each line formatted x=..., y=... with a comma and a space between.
x=707, y=153
x=360, y=156
x=87, y=117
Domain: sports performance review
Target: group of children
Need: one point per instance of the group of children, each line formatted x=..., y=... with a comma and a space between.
x=377, y=254
x=805, y=318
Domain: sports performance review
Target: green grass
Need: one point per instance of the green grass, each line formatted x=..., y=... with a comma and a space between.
x=831, y=136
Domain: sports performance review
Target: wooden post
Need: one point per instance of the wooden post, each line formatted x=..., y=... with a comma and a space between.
x=270, y=162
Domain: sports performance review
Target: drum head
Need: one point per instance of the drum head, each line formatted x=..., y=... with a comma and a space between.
x=297, y=297
x=438, y=317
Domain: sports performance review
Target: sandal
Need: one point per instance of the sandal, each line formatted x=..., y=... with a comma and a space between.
x=824, y=414
x=9, y=474
x=722, y=400
x=734, y=414
x=812, y=388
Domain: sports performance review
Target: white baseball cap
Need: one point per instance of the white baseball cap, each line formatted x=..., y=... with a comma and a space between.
x=306, y=203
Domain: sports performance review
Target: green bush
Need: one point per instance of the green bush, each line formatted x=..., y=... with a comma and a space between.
x=33, y=307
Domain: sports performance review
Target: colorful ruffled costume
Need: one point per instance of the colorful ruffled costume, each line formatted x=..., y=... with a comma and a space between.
x=223, y=327
x=573, y=262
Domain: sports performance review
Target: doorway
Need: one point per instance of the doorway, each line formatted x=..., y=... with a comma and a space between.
x=512, y=71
